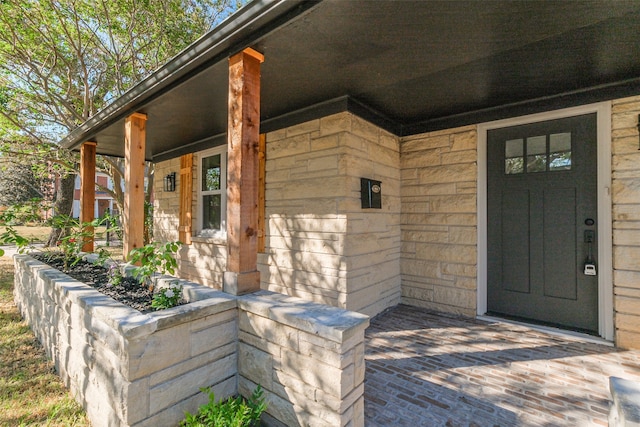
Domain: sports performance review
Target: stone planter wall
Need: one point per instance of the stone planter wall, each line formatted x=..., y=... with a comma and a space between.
x=124, y=367
x=133, y=369
x=308, y=357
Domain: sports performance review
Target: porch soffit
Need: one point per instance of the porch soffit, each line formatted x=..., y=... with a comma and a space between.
x=416, y=65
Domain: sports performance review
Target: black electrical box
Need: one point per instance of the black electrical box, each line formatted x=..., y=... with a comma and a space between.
x=371, y=193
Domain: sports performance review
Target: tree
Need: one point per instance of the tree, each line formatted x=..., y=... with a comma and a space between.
x=18, y=183
x=61, y=61
x=20, y=177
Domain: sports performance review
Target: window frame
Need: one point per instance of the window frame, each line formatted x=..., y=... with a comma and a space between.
x=210, y=232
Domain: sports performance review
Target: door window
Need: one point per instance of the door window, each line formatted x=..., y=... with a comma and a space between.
x=540, y=153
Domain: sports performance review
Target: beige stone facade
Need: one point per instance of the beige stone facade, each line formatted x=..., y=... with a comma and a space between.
x=204, y=260
x=166, y=205
x=625, y=187
x=439, y=220
x=320, y=244
x=421, y=248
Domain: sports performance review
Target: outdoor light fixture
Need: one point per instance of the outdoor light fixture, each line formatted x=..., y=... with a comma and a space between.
x=170, y=182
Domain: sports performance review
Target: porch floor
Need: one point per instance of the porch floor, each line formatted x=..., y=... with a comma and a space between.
x=425, y=369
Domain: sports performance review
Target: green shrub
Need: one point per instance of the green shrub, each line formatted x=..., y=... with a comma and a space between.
x=72, y=240
x=167, y=297
x=154, y=258
x=233, y=412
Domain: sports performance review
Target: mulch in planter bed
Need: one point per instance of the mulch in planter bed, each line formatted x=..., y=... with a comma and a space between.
x=128, y=292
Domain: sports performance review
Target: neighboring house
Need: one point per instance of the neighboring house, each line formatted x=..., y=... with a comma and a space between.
x=103, y=203
x=499, y=138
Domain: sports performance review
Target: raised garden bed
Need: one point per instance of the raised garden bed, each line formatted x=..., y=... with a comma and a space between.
x=129, y=368
x=129, y=291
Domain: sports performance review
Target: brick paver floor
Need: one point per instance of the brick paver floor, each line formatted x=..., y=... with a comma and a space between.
x=425, y=369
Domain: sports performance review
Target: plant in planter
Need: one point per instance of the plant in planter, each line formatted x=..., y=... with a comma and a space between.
x=11, y=237
x=167, y=297
x=71, y=243
x=232, y=412
x=114, y=272
x=157, y=258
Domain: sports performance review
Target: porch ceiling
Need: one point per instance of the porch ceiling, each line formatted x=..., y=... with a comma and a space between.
x=421, y=65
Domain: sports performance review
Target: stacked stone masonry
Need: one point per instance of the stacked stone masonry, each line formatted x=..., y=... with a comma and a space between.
x=439, y=220
x=625, y=196
x=313, y=369
x=127, y=368
x=421, y=247
x=132, y=369
x=320, y=244
x=166, y=204
x=205, y=260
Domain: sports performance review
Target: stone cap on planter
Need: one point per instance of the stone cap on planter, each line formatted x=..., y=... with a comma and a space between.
x=332, y=323
x=131, y=323
x=308, y=357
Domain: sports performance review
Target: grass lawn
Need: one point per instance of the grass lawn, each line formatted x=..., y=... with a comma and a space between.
x=32, y=233
x=31, y=394
x=40, y=233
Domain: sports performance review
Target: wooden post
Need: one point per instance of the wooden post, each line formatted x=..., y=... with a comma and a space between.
x=242, y=275
x=134, y=166
x=186, y=193
x=87, y=191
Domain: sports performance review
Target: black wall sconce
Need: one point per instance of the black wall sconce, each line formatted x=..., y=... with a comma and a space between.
x=170, y=182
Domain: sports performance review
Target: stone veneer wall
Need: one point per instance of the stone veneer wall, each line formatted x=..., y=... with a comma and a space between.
x=166, y=205
x=320, y=244
x=132, y=369
x=626, y=220
x=312, y=371
x=439, y=220
x=127, y=368
x=204, y=260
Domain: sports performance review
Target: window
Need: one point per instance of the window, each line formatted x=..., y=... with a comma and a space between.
x=535, y=154
x=212, y=192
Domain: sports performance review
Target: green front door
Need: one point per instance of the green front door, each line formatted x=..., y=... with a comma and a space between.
x=542, y=208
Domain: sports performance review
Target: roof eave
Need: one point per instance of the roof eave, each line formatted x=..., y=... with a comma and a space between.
x=241, y=29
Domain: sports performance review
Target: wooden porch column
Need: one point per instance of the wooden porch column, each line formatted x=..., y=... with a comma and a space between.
x=186, y=193
x=243, y=134
x=133, y=216
x=87, y=191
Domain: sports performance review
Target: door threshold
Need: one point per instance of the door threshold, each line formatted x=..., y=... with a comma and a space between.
x=551, y=330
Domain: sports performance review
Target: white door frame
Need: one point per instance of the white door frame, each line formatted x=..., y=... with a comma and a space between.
x=605, y=239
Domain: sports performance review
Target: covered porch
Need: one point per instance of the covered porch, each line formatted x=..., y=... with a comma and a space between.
x=423, y=368
x=300, y=103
